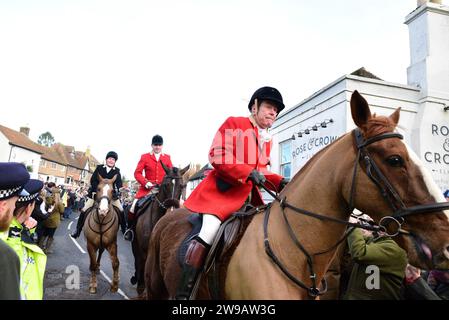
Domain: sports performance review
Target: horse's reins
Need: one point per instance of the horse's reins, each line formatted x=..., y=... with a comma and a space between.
x=388, y=192
x=162, y=204
x=100, y=221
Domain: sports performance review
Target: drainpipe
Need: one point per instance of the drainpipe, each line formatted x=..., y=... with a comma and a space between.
x=10, y=151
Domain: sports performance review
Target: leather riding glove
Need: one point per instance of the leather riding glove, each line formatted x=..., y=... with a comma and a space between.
x=257, y=178
x=283, y=183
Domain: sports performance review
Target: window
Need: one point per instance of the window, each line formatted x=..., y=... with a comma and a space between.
x=43, y=164
x=286, y=158
x=53, y=165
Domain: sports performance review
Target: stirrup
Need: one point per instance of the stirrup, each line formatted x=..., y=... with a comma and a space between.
x=128, y=235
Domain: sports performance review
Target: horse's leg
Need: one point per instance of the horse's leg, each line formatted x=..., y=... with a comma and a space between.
x=112, y=249
x=92, y=267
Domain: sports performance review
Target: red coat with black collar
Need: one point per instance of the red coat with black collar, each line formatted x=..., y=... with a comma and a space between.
x=235, y=152
x=154, y=172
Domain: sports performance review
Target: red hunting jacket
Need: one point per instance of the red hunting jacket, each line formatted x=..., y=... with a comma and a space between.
x=154, y=172
x=235, y=152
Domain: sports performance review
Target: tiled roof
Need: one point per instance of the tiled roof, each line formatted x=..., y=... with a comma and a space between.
x=58, y=152
x=19, y=139
x=52, y=155
x=202, y=173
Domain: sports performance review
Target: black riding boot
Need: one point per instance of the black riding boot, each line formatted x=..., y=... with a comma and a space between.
x=121, y=219
x=192, y=266
x=129, y=233
x=79, y=225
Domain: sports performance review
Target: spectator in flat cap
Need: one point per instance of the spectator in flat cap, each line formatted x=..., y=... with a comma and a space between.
x=13, y=177
x=33, y=259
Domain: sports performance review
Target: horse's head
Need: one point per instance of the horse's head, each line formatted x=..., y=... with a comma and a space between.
x=172, y=186
x=104, y=194
x=393, y=181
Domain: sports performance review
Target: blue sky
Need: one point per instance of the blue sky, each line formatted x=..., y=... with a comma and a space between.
x=111, y=74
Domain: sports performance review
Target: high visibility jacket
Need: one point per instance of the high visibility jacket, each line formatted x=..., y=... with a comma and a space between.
x=32, y=261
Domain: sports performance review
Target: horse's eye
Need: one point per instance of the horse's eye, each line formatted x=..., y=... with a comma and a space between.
x=395, y=161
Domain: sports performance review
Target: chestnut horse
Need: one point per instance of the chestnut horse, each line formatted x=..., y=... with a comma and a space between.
x=168, y=196
x=100, y=230
x=285, y=252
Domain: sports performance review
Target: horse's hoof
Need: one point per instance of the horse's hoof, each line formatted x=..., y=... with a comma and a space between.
x=133, y=280
x=114, y=288
x=92, y=290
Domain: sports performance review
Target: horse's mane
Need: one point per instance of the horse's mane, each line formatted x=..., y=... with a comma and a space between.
x=315, y=157
x=375, y=125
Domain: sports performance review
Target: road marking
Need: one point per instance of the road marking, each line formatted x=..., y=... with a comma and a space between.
x=70, y=224
x=76, y=243
x=110, y=281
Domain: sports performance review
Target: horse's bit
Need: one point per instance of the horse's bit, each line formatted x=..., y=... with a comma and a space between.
x=388, y=192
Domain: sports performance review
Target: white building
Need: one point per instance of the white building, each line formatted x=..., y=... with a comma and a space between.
x=315, y=122
x=17, y=147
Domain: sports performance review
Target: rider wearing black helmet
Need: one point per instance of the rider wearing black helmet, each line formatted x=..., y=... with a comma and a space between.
x=106, y=171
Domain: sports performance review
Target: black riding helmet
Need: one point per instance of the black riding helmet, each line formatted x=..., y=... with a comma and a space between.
x=157, y=139
x=112, y=154
x=270, y=94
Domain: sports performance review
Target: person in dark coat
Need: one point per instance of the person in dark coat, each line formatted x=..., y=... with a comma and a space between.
x=106, y=171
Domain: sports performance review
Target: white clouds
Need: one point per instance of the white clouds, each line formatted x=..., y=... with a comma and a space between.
x=111, y=74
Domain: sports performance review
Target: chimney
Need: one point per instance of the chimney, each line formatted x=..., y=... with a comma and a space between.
x=25, y=131
x=87, y=153
x=421, y=2
x=429, y=48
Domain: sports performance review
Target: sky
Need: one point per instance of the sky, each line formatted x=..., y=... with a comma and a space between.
x=111, y=74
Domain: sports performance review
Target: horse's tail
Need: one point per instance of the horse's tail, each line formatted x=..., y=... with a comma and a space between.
x=100, y=252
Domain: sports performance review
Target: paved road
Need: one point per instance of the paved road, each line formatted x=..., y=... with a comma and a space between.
x=70, y=255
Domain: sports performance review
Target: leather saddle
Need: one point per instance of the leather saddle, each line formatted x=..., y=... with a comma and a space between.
x=226, y=240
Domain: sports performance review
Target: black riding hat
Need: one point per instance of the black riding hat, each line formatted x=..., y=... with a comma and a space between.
x=112, y=154
x=270, y=94
x=157, y=139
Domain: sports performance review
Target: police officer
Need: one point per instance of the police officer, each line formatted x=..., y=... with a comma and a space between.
x=106, y=171
x=32, y=258
x=13, y=177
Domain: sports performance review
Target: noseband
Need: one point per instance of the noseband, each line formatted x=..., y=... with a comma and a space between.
x=388, y=192
x=163, y=204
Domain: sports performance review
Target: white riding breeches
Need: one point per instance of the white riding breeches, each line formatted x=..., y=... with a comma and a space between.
x=209, y=229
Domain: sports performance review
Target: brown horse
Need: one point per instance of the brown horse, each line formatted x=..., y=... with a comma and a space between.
x=168, y=197
x=291, y=245
x=100, y=230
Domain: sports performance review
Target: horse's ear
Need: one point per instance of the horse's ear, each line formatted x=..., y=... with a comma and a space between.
x=359, y=109
x=100, y=178
x=183, y=171
x=113, y=179
x=395, y=116
x=166, y=169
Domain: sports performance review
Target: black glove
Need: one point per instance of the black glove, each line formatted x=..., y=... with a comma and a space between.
x=257, y=178
x=283, y=183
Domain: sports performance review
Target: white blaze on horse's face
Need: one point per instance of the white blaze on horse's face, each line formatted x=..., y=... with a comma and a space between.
x=104, y=204
x=428, y=180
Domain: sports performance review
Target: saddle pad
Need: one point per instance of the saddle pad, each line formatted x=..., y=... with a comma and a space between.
x=196, y=220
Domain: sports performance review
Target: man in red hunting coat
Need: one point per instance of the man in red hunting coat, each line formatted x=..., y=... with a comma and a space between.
x=150, y=164
x=240, y=154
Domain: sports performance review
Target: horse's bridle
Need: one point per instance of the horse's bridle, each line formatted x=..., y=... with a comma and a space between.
x=162, y=204
x=388, y=192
